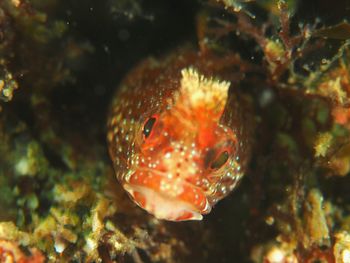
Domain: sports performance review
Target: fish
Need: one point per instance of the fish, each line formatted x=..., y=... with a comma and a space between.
x=179, y=134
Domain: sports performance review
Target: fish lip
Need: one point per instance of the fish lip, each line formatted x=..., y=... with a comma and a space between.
x=174, y=209
x=191, y=200
x=150, y=170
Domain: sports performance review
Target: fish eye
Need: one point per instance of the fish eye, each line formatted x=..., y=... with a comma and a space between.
x=148, y=126
x=220, y=160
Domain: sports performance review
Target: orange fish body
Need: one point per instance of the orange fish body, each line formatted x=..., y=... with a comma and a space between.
x=178, y=137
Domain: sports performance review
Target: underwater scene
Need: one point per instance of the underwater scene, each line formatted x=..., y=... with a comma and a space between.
x=175, y=131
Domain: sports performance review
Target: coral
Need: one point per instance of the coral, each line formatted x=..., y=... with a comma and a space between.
x=7, y=86
x=10, y=239
x=9, y=252
x=342, y=247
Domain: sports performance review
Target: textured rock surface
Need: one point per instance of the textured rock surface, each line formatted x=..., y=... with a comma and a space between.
x=60, y=61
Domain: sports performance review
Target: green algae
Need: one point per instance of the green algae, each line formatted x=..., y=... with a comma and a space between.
x=57, y=188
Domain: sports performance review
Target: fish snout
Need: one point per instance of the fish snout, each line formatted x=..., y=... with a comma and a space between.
x=167, y=196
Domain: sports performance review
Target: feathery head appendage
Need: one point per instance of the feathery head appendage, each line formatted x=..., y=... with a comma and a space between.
x=200, y=93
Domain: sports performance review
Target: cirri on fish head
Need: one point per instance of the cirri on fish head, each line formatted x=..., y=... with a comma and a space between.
x=177, y=137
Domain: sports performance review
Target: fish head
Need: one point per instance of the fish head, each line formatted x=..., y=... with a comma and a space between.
x=184, y=159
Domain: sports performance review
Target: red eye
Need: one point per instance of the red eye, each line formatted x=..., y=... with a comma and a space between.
x=148, y=126
x=220, y=160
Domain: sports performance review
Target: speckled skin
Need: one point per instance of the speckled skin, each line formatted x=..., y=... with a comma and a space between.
x=150, y=90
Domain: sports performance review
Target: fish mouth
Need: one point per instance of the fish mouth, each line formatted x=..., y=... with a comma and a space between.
x=167, y=198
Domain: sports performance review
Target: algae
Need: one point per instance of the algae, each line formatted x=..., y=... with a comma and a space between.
x=60, y=61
